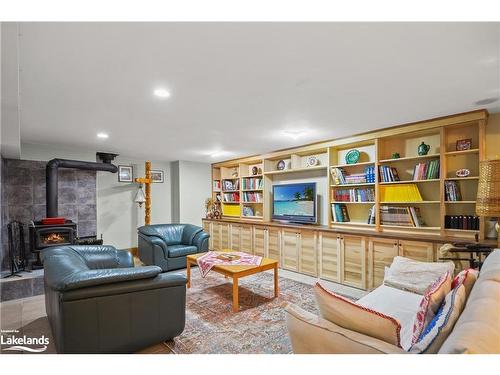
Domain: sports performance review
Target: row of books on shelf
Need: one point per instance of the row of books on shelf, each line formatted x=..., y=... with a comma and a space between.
x=388, y=174
x=464, y=222
x=252, y=183
x=400, y=193
x=339, y=176
x=252, y=197
x=216, y=185
x=428, y=170
x=354, y=195
x=340, y=214
x=231, y=197
x=452, y=191
x=405, y=216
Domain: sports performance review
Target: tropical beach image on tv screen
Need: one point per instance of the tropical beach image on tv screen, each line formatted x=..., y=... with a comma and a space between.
x=294, y=200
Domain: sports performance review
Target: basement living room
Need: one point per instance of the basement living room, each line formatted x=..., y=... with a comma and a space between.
x=250, y=188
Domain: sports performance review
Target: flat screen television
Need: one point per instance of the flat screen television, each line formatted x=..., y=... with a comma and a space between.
x=295, y=202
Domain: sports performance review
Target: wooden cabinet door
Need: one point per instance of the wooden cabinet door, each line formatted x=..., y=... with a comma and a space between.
x=422, y=251
x=329, y=256
x=216, y=245
x=289, y=249
x=353, y=255
x=235, y=237
x=246, y=238
x=307, y=253
x=381, y=252
x=259, y=241
x=207, y=227
x=225, y=239
x=274, y=244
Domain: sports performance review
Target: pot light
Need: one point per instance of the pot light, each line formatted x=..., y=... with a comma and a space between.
x=103, y=135
x=295, y=134
x=162, y=93
x=217, y=154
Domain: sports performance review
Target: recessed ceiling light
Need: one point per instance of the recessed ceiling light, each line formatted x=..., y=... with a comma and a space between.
x=103, y=135
x=217, y=154
x=162, y=93
x=295, y=134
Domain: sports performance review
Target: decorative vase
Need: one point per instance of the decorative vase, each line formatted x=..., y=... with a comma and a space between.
x=423, y=149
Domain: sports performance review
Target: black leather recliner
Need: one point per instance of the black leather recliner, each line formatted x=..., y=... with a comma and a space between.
x=98, y=302
x=167, y=245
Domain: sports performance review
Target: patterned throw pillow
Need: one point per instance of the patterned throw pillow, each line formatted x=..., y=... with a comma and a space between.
x=430, y=303
x=466, y=277
x=439, y=328
x=349, y=315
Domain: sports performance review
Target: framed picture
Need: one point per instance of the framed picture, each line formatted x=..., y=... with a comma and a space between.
x=157, y=176
x=125, y=173
x=464, y=144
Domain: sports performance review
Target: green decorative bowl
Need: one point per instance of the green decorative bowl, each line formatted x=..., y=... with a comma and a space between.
x=352, y=157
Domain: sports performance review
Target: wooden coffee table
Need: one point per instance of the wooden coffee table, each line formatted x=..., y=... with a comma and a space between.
x=236, y=272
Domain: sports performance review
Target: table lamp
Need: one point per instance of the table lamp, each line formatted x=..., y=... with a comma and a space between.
x=488, y=190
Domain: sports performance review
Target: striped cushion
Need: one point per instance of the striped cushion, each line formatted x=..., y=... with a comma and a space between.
x=442, y=324
x=466, y=277
x=430, y=303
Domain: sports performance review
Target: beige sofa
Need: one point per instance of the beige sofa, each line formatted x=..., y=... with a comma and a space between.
x=476, y=331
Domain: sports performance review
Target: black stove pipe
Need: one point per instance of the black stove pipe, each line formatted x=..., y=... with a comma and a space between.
x=51, y=178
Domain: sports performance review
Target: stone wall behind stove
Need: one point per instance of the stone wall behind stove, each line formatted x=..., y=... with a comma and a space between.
x=23, y=197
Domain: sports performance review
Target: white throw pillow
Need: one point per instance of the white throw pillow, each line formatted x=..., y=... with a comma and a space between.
x=415, y=276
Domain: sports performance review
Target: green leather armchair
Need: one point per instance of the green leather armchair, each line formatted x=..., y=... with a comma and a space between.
x=98, y=302
x=167, y=245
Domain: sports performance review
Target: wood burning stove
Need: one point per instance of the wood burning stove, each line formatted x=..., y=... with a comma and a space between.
x=49, y=235
x=57, y=231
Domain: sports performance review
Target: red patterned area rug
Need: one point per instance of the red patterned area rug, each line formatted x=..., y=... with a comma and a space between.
x=259, y=326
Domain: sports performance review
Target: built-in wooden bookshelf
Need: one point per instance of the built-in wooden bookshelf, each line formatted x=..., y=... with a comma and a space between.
x=396, y=148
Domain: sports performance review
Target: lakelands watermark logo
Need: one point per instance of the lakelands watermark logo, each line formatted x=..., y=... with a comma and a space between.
x=23, y=343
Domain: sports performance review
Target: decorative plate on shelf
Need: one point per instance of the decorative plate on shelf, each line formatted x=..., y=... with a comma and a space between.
x=254, y=170
x=312, y=161
x=352, y=157
x=464, y=172
x=281, y=165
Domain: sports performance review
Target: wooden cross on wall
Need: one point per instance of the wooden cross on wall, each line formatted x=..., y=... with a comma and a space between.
x=147, y=184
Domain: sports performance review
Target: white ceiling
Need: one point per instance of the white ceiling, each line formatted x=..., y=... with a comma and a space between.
x=237, y=86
